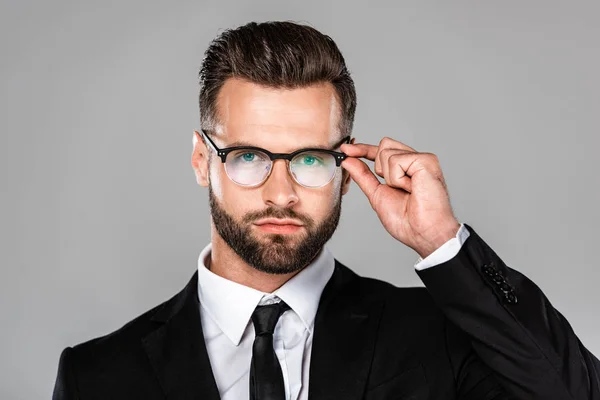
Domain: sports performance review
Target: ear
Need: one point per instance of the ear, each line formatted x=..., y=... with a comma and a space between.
x=200, y=159
x=346, y=180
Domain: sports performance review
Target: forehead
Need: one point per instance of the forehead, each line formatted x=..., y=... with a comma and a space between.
x=278, y=119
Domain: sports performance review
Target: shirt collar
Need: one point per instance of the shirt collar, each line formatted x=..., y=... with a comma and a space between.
x=230, y=305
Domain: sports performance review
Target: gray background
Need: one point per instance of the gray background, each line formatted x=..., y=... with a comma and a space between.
x=101, y=217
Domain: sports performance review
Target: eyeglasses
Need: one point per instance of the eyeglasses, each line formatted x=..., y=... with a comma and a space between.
x=251, y=166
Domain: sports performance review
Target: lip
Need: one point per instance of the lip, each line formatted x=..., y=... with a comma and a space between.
x=275, y=221
x=280, y=226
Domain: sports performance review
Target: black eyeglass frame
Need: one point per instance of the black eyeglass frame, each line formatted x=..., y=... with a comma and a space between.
x=222, y=153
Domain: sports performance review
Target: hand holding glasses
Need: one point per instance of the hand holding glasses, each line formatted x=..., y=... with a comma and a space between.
x=250, y=166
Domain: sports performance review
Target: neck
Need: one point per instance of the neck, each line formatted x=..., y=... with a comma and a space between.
x=227, y=264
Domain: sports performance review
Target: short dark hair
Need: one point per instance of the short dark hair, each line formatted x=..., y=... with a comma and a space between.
x=278, y=54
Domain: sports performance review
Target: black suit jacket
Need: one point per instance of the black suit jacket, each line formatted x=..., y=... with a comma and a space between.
x=480, y=330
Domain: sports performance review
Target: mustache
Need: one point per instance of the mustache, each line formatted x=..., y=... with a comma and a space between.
x=279, y=213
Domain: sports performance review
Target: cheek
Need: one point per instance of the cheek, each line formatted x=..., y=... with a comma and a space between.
x=335, y=188
x=216, y=182
x=320, y=203
x=233, y=198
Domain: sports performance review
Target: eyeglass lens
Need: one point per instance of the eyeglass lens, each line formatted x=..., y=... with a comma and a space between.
x=309, y=168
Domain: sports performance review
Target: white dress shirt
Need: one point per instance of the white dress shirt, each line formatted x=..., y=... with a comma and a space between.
x=226, y=308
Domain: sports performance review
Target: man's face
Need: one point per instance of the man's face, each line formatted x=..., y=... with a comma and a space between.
x=281, y=121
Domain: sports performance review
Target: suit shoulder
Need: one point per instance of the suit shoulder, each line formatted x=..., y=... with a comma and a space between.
x=109, y=360
x=127, y=335
x=108, y=355
x=396, y=293
x=134, y=329
x=410, y=300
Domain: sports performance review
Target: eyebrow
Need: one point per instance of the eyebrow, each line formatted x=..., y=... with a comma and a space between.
x=242, y=143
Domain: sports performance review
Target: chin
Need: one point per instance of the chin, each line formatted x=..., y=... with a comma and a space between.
x=280, y=238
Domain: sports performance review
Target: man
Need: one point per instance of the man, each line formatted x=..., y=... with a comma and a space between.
x=270, y=314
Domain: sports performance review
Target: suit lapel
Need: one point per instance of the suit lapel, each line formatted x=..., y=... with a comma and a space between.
x=177, y=351
x=344, y=338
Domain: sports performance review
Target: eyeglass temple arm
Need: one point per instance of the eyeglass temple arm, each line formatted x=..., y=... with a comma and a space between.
x=205, y=135
x=345, y=140
x=222, y=154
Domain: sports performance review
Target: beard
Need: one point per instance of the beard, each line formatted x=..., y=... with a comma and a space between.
x=279, y=254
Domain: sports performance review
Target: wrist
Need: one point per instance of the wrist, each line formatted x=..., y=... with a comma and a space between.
x=437, y=239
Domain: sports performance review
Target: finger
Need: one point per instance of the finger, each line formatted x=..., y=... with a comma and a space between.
x=409, y=164
x=363, y=150
x=362, y=175
x=383, y=161
x=389, y=143
x=387, y=147
x=396, y=175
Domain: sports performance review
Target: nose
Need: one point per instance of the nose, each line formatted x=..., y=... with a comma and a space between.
x=279, y=188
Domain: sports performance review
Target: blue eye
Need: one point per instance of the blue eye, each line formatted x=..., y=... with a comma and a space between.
x=309, y=160
x=248, y=156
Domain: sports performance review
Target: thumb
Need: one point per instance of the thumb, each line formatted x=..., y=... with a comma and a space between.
x=362, y=175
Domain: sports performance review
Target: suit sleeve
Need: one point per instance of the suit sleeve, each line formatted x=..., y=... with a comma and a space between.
x=474, y=380
x=65, y=387
x=513, y=327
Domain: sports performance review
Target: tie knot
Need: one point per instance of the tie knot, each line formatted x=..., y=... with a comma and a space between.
x=265, y=317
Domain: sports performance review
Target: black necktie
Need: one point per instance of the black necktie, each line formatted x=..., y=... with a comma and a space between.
x=266, y=378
